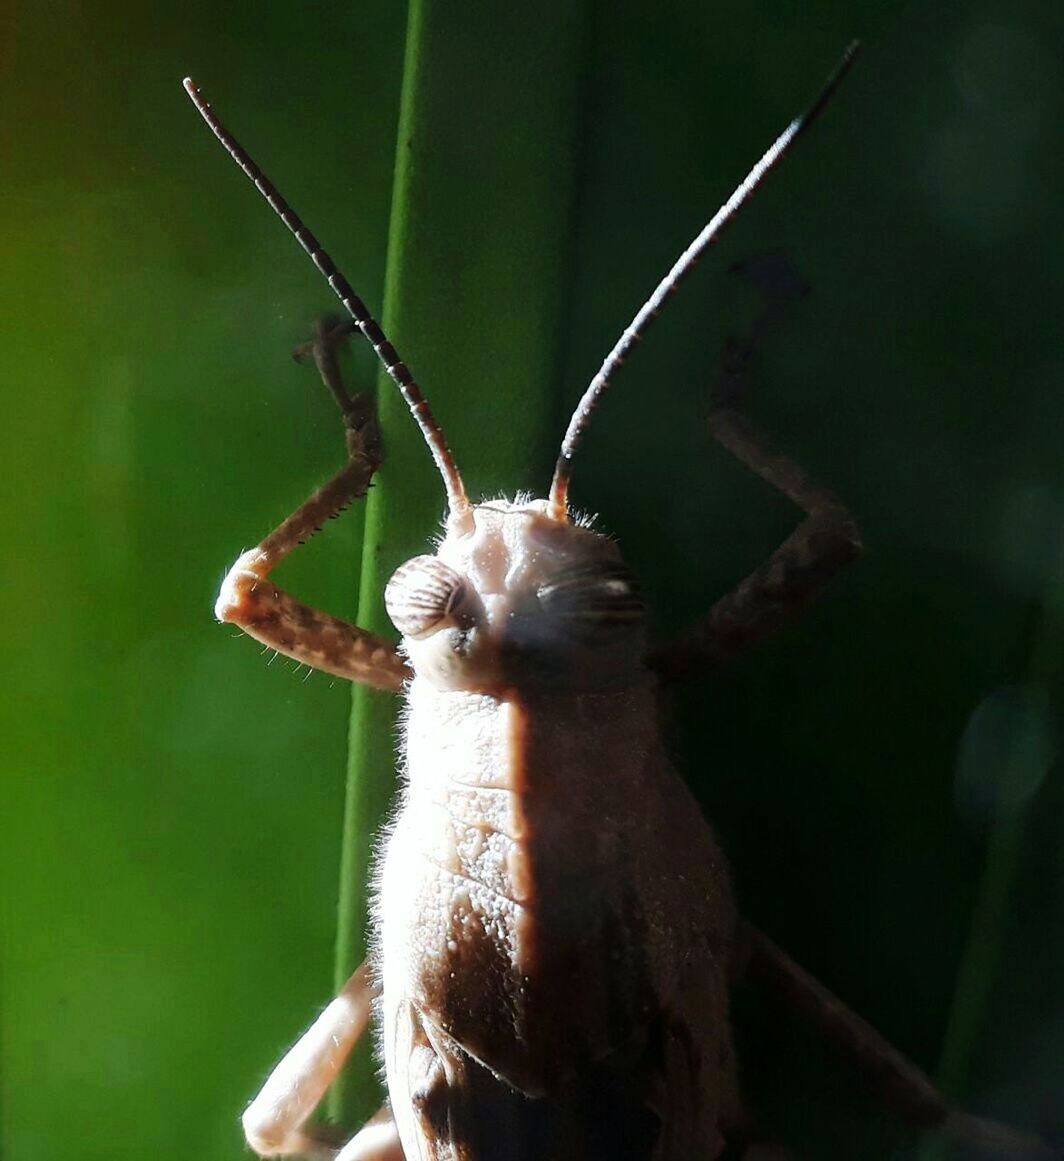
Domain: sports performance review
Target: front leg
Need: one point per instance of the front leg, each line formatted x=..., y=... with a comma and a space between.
x=820, y=547
x=250, y=600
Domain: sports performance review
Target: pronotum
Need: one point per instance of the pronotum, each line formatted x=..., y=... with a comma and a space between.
x=558, y=933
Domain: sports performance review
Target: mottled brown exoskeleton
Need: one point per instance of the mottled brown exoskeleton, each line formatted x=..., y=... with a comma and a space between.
x=558, y=934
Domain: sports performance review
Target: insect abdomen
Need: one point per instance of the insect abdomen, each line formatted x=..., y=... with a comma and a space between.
x=518, y=886
x=524, y=893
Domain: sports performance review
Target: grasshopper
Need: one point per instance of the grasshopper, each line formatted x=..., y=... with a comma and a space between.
x=558, y=934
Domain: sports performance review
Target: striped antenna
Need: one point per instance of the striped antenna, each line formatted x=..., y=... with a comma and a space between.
x=559, y=488
x=457, y=500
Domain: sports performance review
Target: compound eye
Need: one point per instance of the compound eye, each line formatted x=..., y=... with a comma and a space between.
x=422, y=595
x=593, y=598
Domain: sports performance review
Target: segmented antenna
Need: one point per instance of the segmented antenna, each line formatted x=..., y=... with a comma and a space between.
x=457, y=500
x=559, y=489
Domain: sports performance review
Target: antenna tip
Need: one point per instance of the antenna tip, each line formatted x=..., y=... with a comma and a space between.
x=851, y=53
x=189, y=85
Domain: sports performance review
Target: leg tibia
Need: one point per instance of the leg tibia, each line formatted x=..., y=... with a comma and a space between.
x=902, y=1088
x=273, y=1122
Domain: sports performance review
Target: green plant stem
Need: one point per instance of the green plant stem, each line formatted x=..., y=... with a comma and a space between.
x=478, y=242
x=1004, y=849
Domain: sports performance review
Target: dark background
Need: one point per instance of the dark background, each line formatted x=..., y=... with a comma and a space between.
x=883, y=777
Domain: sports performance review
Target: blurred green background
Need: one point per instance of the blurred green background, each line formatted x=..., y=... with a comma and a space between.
x=883, y=777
